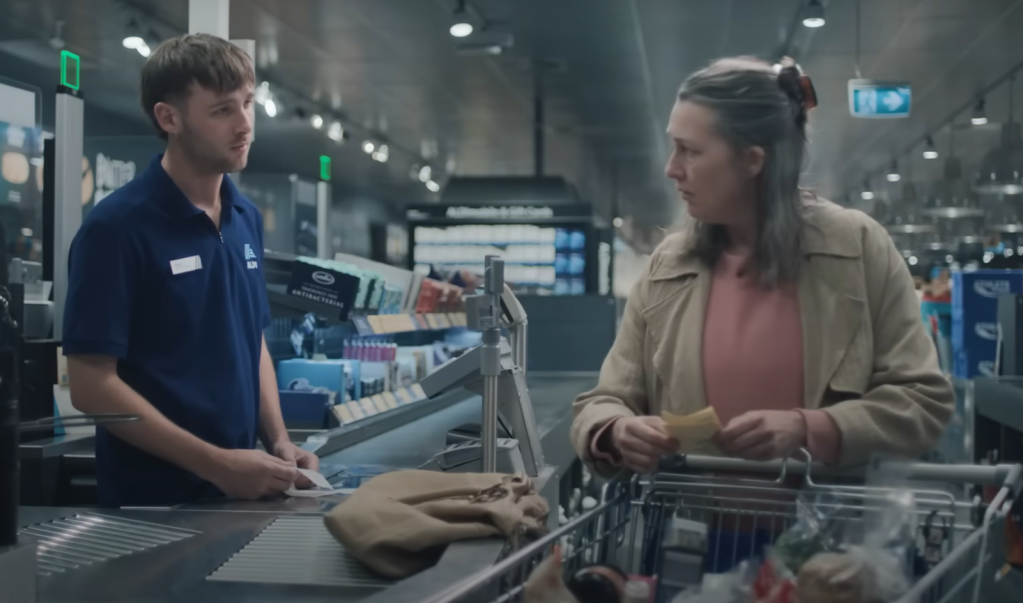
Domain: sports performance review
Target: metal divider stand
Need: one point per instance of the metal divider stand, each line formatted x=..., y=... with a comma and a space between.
x=483, y=313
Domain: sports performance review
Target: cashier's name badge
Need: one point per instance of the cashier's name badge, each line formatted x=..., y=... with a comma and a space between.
x=186, y=265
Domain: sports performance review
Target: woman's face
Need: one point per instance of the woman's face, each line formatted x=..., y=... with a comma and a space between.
x=714, y=179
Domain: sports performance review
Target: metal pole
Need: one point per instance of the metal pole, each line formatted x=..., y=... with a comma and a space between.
x=490, y=362
x=67, y=195
x=538, y=120
x=519, y=340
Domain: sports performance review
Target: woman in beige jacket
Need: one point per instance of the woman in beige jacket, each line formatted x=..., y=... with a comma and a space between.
x=794, y=318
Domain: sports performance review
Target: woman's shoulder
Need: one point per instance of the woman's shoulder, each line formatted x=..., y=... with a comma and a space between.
x=843, y=231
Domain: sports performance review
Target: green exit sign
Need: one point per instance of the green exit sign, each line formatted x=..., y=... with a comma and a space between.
x=70, y=69
x=324, y=167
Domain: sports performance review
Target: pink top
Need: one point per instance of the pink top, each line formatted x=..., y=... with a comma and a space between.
x=753, y=355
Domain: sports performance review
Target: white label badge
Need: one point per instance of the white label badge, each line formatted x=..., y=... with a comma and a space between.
x=186, y=265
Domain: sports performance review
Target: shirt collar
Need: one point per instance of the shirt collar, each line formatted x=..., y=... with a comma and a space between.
x=174, y=201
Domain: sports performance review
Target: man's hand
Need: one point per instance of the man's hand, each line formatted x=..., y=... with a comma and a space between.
x=250, y=474
x=763, y=435
x=641, y=442
x=296, y=457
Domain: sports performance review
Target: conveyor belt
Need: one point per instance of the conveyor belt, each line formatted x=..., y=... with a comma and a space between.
x=298, y=550
x=71, y=542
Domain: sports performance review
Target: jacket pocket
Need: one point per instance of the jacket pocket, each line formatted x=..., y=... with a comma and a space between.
x=852, y=377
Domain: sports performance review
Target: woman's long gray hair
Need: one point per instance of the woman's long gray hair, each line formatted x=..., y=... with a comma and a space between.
x=757, y=105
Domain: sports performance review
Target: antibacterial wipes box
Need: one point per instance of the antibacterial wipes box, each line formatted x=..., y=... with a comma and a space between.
x=975, y=318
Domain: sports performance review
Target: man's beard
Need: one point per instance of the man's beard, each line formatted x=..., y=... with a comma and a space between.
x=205, y=156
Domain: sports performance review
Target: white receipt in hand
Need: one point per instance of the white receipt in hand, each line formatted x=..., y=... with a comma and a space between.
x=321, y=487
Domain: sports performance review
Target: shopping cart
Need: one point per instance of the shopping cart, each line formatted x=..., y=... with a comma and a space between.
x=959, y=540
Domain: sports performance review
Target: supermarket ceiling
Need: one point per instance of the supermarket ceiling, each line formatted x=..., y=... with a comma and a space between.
x=390, y=69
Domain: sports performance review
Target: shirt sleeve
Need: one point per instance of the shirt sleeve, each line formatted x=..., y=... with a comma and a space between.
x=102, y=275
x=599, y=454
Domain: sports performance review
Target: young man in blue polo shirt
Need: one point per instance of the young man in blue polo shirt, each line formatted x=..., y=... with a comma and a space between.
x=166, y=302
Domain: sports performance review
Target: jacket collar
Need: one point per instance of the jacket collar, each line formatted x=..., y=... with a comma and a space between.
x=823, y=232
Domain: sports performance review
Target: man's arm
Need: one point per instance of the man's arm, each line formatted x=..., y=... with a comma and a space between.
x=96, y=388
x=271, y=422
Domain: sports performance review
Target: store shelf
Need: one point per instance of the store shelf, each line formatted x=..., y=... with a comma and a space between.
x=391, y=324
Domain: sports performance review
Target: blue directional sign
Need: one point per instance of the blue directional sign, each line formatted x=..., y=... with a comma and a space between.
x=872, y=99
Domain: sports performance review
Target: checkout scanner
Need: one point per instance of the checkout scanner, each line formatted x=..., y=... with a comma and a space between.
x=517, y=441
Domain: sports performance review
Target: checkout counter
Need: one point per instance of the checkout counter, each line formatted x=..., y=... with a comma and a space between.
x=279, y=549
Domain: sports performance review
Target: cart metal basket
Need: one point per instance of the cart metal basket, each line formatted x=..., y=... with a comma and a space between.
x=959, y=540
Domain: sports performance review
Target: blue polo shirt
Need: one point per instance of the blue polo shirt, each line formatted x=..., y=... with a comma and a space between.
x=182, y=307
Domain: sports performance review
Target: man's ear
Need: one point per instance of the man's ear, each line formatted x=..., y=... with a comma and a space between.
x=754, y=158
x=168, y=117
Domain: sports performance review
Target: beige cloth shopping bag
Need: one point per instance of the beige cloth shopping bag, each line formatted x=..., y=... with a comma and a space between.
x=399, y=523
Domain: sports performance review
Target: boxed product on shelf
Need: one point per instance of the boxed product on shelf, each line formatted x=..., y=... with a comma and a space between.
x=429, y=293
x=306, y=409
x=975, y=318
x=341, y=376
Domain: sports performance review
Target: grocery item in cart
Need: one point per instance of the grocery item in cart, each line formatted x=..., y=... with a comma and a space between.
x=546, y=584
x=694, y=432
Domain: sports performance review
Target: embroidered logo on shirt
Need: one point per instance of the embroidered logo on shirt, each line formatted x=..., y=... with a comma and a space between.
x=250, y=257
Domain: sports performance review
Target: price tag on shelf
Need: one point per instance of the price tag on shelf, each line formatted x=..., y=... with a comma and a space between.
x=431, y=319
x=443, y=321
x=356, y=409
x=389, y=400
x=344, y=414
x=379, y=404
x=417, y=392
x=404, y=395
x=362, y=325
x=460, y=317
x=367, y=407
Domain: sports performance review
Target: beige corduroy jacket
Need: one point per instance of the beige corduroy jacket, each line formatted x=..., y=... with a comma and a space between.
x=869, y=362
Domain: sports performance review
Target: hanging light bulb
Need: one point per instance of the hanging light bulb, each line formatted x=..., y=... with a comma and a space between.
x=316, y=121
x=270, y=107
x=335, y=132
x=979, y=117
x=132, y=36
x=143, y=49
x=930, y=151
x=425, y=174
x=460, y=24
x=893, y=173
x=813, y=16
x=432, y=186
x=866, y=194
x=368, y=147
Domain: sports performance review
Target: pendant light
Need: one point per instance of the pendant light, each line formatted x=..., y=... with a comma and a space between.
x=1001, y=171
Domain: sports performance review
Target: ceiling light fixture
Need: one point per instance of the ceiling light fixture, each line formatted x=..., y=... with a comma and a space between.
x=617, y=222
x=1001, y=170
x=262, y=93
x=336, y=132
x=432, y=186
x=893, y=173
x=316, y=121
x=460, y=24
x=270, y=107
x=979, y=117
x=382, y=154
x=143, y=49
x=369, y=147
x=813, y=15
x=132, y=36
x=425, y=174
x=867, y=195
x=930, y=151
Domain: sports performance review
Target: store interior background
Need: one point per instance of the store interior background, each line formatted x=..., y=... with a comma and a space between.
x=391, y=73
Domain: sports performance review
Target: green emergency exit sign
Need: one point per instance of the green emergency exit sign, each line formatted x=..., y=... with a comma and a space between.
x=324, y=167
x=70, y=69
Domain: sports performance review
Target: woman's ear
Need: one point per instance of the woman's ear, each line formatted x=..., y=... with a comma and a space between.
x=754, y=158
